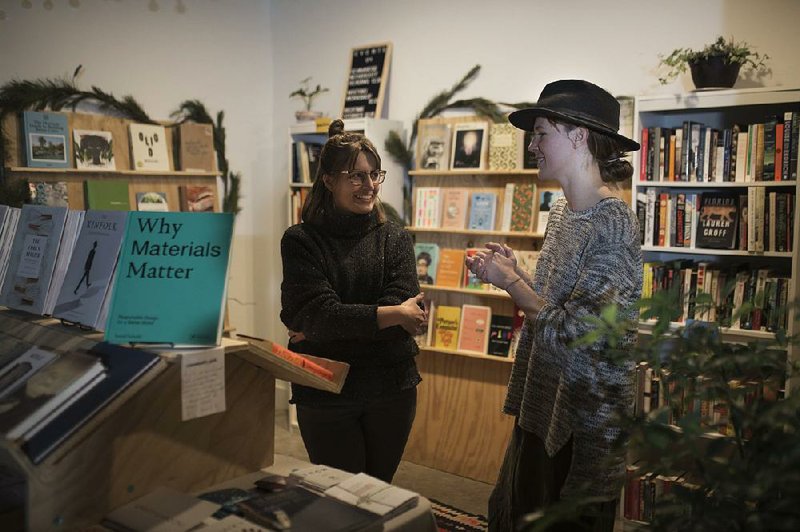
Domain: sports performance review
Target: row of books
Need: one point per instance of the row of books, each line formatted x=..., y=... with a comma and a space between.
x=758, y=220
x=47, y=143
x=765, y=151
x=446, y=266
x=113, y=195
x=296, y=202
x=305, y=161
x=471, y=329
x=458, y=208
x=47, y=396
x=474, y=145
x=643, y=491
x=726, y=291
x=143, y=276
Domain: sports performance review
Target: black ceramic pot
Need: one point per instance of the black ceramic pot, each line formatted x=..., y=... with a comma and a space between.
x=714, y=72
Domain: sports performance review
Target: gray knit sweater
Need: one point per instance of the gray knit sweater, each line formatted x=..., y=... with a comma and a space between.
x=589, y=259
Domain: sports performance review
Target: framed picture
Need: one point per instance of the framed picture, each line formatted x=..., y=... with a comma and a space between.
x=469, y=146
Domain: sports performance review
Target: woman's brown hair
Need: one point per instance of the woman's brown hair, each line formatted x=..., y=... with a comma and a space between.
x=339, y=153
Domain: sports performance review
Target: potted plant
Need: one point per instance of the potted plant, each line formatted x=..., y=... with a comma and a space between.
x=307, y=95
x=716, y=65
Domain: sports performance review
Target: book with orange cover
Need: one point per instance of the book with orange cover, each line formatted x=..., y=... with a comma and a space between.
x=454, y=208
x=451, y=264
x=473, y=333
x=299, y=360
x=445, y=333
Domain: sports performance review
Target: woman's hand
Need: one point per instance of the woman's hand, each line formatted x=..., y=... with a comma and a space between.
x=500, y=270
x=413, y=314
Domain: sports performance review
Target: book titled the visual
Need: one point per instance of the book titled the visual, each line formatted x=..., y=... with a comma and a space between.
x=473, y=332
x=427, y=256
x=433, y=145
x=46, y=139
x=107, y=194
x=94, y=150
x=94, y=258
x=152, y=201
x=501, y=330
x=445, y=326
x=149, y=149
x=33, y=257
x=717, y=219
x=196, y=147
x=482, y=211
x=171, y=279
x=53, y=194
x=197, y=198
x=455, y=202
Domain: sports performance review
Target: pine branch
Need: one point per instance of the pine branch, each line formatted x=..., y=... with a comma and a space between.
x=193, y=110
x=230, y=201
x=519, y=105
x=397, y=149
x=482, y=107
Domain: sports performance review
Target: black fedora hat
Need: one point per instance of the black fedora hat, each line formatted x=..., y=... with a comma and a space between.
x=577, y=102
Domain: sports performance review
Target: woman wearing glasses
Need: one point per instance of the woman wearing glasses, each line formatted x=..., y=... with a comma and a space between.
x=350, y=293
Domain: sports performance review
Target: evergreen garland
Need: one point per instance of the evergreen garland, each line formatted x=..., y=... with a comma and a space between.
x=59, y=93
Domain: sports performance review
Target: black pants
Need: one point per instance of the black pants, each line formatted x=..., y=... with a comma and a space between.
x=530, y=480
x=366, y=436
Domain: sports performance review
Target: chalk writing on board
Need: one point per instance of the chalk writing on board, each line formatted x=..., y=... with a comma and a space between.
x=366, y=82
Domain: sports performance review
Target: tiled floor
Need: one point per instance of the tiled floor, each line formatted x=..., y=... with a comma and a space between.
x=463, y=493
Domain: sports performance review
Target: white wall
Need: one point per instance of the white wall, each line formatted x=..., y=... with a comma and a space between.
x=246, y=56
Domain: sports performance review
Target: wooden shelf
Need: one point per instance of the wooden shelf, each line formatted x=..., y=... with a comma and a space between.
x=470, y=291
x=76, y=172
x=301, y=185
x=713, y=184
x=730, y=252
x=471, y=171
x=473, y=232
x=729, y=334
x=469, y=354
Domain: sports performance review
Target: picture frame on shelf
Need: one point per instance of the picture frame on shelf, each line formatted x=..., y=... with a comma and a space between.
x=470, y=142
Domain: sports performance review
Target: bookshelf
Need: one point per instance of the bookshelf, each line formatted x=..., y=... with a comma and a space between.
x=375, y=129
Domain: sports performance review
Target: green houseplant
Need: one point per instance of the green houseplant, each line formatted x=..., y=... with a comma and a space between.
x=307, y=94
x=717, y=65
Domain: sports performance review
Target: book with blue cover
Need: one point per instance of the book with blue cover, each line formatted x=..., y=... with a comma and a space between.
x=46, y=139
x=482, y=210
x=171, y=279
x=94, y=258
x=33, y=257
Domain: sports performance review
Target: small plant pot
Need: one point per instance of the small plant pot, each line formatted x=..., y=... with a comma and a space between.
x=714, y=72
x=307, y=116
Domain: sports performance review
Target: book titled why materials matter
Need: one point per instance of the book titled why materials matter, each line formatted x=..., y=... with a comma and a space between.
x=171, y=279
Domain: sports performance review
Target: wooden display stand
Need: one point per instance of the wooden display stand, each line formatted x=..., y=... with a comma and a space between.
x=138, y=442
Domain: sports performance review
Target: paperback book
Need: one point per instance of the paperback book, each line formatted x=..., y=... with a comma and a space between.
x=433, y=145
x=149, y=147
x=94, y=150
x=197, y=198
x=171, y=280
x=53, y=194
x=445, y=326
x=196, y=147
x=482, y=211
x=107, y=194
x=152, y=201
x=427, y=255
x=46, y=139
x=473, y=332
x=717, y=219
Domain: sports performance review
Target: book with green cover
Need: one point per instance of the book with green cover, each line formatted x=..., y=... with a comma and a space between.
x=171, y=279
x=107, y=195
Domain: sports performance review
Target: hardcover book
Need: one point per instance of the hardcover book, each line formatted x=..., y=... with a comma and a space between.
x=433, y=145
x=46, y=139
x=427, y=255
x=482, y=210
x=53, y=194
x=94, y=258
x=445, y=326
x=522, y=207
x=505, y=147
x=500, y=332
x=171, y=280
x=717, y=218
x=473, y=333
x=454, y=208
x=33, y=257
x=123, y=366
x=107, y=194
x=196, y=147
x=149, y=147
x=451, y=263
x=152, y=201
x=197, y=198
x=94, y=150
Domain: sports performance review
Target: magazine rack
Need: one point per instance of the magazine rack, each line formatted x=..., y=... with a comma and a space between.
x=138, y=441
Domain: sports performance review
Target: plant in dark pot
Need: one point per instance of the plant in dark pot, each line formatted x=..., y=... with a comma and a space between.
x=716, y=65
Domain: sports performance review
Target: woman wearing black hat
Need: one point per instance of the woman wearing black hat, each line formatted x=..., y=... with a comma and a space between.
x=565, y=398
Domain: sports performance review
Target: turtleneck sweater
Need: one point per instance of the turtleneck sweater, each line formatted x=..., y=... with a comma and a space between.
x=335, y=276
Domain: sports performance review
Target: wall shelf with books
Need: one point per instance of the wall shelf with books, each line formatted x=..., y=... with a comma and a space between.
x=486, y=232
x=729, y=334
x=496, y=173
x=471, y=291
x=719, y=252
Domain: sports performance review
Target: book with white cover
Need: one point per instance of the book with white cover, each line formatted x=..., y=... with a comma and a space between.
x=372, y=494
x=33, y=257
x=149, y=147
x=68, y=238
x=320, y=477
x=89, y=274
x=9, y=217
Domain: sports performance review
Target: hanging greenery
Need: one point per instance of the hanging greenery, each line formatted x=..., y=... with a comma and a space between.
x=59, y=93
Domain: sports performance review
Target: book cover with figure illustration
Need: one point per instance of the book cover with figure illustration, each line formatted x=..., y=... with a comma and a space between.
x=171, y=279
x=94, y=150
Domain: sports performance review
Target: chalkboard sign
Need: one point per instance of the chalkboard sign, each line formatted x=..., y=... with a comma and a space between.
x=366, y=82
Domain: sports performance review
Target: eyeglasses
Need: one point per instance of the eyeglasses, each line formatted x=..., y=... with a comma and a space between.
x=359, y=177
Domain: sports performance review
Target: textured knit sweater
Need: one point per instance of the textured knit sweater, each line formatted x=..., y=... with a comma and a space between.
x=589, y=259
x=335, y=275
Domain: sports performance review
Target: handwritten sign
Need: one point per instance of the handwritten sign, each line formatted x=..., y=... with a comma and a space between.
x=366, y=82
